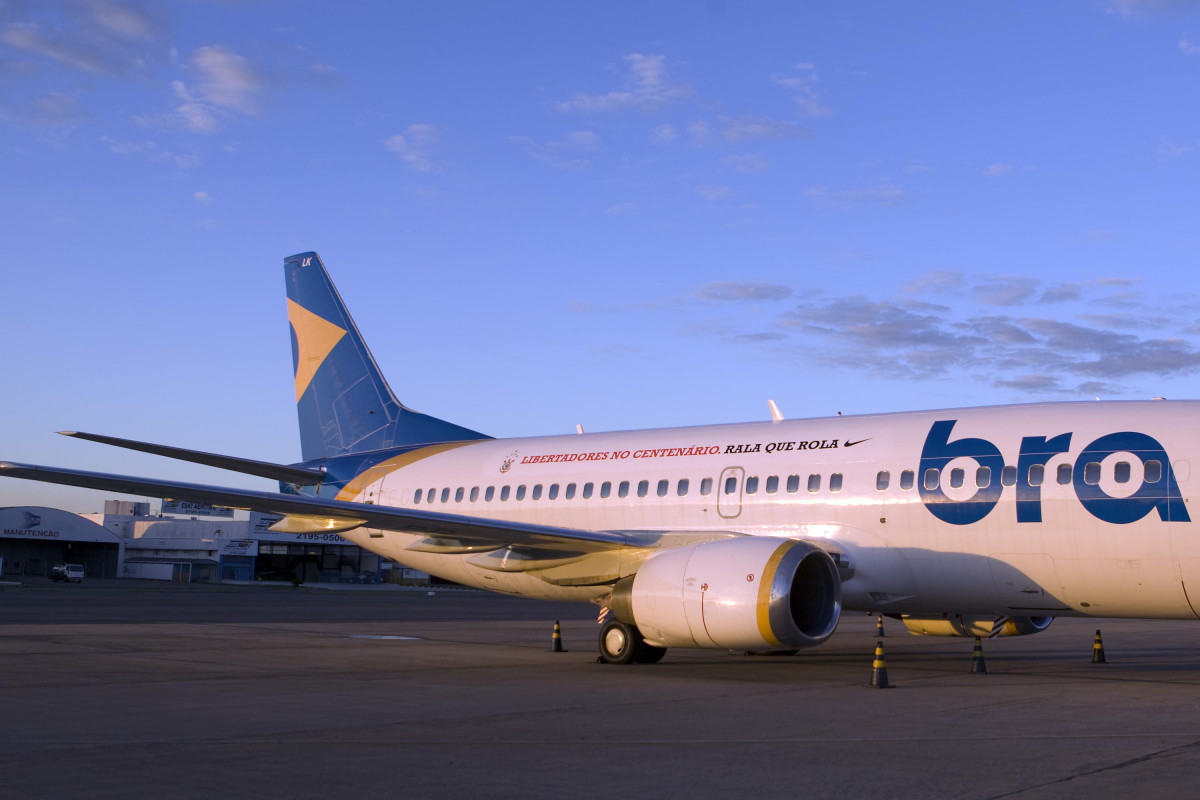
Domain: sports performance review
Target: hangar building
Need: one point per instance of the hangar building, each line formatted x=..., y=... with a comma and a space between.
x=33, y=539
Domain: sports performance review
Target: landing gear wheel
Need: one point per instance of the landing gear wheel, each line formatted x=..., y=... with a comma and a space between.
x=649, y=654
x=621, y=643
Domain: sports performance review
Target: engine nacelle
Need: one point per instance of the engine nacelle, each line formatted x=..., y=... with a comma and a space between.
x=976, y=626
x=749, y=593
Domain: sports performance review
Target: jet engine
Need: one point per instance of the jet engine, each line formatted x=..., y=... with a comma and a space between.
x=751, y=593
x=957, y=625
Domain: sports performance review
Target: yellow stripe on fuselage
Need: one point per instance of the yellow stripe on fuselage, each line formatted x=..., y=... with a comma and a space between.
x=358, y=484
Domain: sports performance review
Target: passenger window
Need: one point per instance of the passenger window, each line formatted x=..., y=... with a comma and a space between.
x=1037, y=473
x=446, y=495
x=489, y=494
x=682, y=488
x=417, y=496
x=706, y=486
x=431, y=496
x=1091, y=473
x=731, y=485
x=793, y=484
x=773, y=484
x=983, y=477
x=931, y=478
x=504, y=492
x=882, y=480
x=956, y=478
x=1121, y=472
x=1064, y=474
x=570, y=493
x=1008, y=476
x=553, y=493
x=521, y=492
x=458, y=494
x=907, y=479
x=474, y=494
x=623, y=489
x=664, y=486
x=537, y=492
x=814, y=483
x=835, y=482
x=1153, y=471
x=587, y=491
x=606, y=489
x=752, y=484
x=643, y=488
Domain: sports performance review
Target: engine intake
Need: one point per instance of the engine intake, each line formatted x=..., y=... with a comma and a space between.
x=751, y=593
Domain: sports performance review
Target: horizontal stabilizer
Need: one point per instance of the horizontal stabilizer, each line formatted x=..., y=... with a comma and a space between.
x=297, y=476
x=499, y=533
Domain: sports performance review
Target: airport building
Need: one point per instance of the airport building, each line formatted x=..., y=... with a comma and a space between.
x=33, y=539
x=187, y=543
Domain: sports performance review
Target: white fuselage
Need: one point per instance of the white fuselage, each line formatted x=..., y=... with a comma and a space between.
x=959, y=546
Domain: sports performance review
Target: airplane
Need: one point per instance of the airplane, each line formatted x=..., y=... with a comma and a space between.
x=754, y=537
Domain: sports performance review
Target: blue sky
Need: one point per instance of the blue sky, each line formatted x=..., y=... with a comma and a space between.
x=620, y=215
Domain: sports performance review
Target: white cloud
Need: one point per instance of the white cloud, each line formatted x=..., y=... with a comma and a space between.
x=646, y=87
x=712, y=192
x=1187, y=48
x=227, y=80
x=124, y=19
x=664, y=134
x=202, y=197
x=996, y=170
x=803, y=83
x=414, y=146
x=1172, y=149
x=103, y=37
x=226, y=84
x=699, y=131
x=749, y=126
x=742, y=290
x=746, y=162
x=884, y=194
x=1143, y=8
x=571, y=152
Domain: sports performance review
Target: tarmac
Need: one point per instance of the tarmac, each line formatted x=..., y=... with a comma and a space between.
x=127, y=688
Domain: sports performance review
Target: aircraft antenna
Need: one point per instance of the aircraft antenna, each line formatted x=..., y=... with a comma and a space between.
x=776, y=414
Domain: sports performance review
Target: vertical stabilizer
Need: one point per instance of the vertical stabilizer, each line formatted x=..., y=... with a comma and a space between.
x=344, y=403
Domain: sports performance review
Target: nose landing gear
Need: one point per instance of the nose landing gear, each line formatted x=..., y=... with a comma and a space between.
x=622, y=643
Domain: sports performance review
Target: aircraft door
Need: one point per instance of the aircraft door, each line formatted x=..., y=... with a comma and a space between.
x=729, y=492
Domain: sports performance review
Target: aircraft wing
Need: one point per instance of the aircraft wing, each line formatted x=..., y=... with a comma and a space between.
x=305, y=514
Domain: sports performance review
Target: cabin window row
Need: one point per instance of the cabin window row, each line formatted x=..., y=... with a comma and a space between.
x=662, y=488
x=1122, y=473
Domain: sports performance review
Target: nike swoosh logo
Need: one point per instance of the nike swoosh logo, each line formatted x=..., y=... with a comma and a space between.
x=860, y=441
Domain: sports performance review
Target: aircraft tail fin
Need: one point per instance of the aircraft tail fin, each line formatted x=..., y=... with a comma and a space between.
x=344, y=403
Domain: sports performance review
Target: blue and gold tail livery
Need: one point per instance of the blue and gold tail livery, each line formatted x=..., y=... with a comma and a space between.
x=344, y=403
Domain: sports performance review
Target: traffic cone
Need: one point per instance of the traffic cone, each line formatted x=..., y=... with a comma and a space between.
x=1098, y=650
x=977, y=664
x=879, y=678
x=556, y=639
x=879, y=627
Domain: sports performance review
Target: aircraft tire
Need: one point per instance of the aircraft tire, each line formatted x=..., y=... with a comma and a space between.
x=620, y=642
x=649, y=654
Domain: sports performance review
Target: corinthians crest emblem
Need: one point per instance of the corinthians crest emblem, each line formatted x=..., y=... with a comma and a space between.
x=506, y=465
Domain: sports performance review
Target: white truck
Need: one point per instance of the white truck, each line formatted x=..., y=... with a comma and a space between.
x=71, y=573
